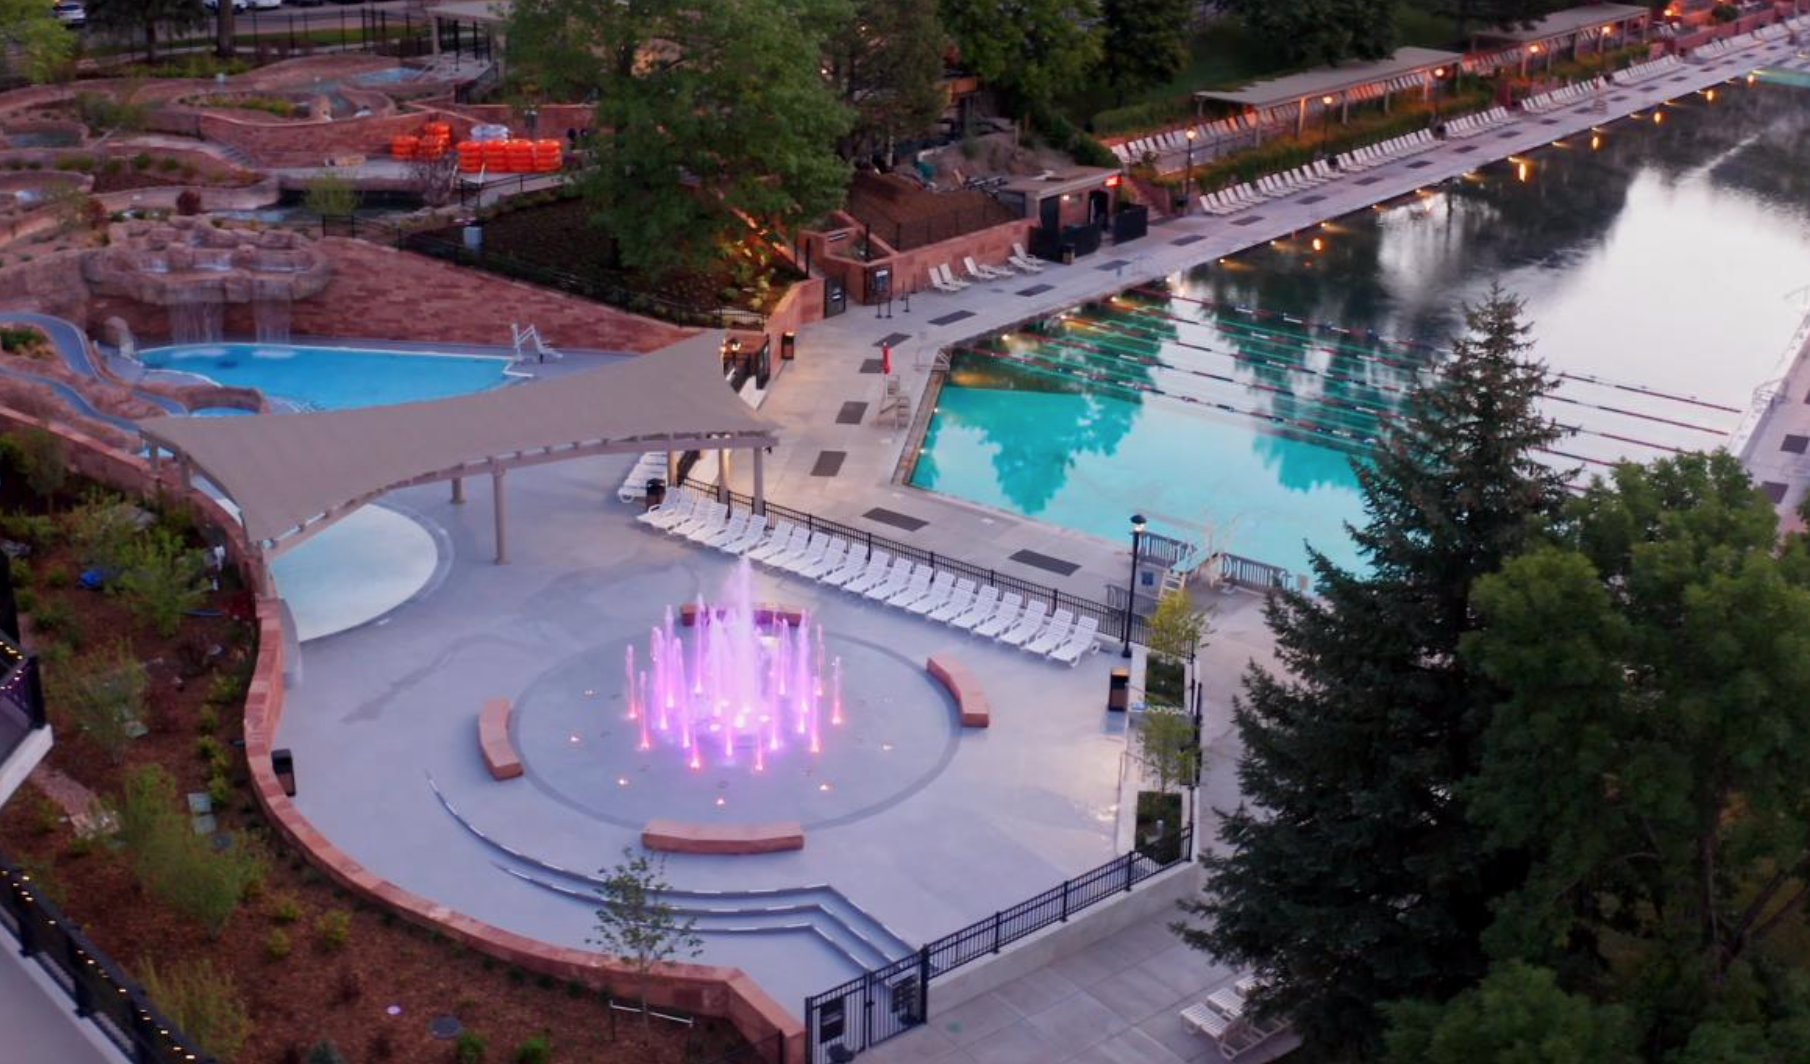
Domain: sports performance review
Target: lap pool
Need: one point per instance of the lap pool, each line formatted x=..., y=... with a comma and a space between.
x=1662, y=265
x=333, y=378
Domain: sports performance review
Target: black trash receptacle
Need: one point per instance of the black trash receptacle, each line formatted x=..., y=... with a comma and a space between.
x=656, y=491
x=1068, y=254
x=1118, y=690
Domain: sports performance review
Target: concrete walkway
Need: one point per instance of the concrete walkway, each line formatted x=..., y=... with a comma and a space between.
x=37, y=1022
x=837, y=359
x=1117, y=1001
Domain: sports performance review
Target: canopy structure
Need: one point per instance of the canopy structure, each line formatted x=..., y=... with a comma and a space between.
x=291, y=475
x=1576, y=30
x=1317, y=90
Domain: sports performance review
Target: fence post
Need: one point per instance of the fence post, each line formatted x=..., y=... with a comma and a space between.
x=923, y=984
x=78, y=977
x=996, y=917
x=1131, y=864
x=870, y=544
x=1066, y=884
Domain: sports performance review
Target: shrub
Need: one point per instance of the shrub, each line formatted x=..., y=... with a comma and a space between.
x=101, y=529
x=334, y=929
x=160, y=580
x=204, y=1003
x=228, y=688
x=47, y=816
x=325, y=1053
x=54, y=618
x=175, y=864
x=104, y=693
x=277, y=944
x=57, y=578
x=169, y=164
x=43, y=462
x=536, y=1050
x=141, y=161
x=101, y=113
x=207, y=748
x=113, y=166
x=331, y=196
x=188, y=202
x=76, y=163
x=219, y=791
x=208, y=720
x=469, y=1048
x=285, y=909
x=1138, y=117
x=35, y=529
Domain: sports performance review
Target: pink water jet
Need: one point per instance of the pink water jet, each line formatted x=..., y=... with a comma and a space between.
x=744, y=675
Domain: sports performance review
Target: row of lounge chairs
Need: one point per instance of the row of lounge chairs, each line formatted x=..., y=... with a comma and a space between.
x=920, y=588
x=1570, y=94
x=943, y=279
x=1740, y=41
x=1387, y=151
x=1176, y=140
x=1222, y=1017
x=1640, y=72
x=1271, y=186
x=1466, y=126
x=634, y=486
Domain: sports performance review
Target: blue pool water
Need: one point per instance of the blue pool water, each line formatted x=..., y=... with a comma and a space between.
x=333, y=378
x=1229, y=404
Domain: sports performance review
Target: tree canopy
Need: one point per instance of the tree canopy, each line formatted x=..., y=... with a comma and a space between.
x=708, y=115
x=887, y=65
x=1029, y=50
x=1517, y=1015
x=1320, y=31
x=1145, y=44
x=33, y=44
x=145, y=18
x=1355, y=876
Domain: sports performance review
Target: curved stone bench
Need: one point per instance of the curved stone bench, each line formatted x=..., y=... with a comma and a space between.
x=676, y=836
x=970, y=701
x=765, y=613
x=493, y=740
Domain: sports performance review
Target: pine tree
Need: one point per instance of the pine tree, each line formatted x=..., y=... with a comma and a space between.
x=145, y=17
x=1146, y=43
x=1354, y=877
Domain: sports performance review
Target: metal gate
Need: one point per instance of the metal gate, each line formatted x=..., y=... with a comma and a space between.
x=867, y=1010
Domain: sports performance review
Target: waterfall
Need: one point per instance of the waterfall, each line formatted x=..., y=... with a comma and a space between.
x=196, y=323
x=271, y=313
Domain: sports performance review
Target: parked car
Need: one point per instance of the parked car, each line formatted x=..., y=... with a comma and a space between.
x=214, y=5
x=266, y=5
x=70, y=13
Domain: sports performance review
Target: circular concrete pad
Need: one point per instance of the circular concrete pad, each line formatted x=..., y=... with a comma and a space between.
x=371, y=562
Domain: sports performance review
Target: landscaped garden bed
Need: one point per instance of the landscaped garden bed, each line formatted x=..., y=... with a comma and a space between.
x=549, y=238
x=145, y=675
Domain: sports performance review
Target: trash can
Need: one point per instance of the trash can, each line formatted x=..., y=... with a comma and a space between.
x=1118, y=690
x=1068, y=254
x=656, y=491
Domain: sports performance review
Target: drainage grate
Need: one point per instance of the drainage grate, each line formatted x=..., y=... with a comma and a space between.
x=1315, y=198
x=851, y=413
x=1115, y=264
x=892, y=339
x=1045, y=562
x=1549, y=121
x=1035, y=290
x=1249, y=219
x=951, y=319
x=1371, y=180
x=1466, y=150
x=870, y=365
x=829, y=463
x=1184, y=241
x=895, y=519
x=1774, y=491
x=1795, y=444
x=1420, y=164
x=1507, y=134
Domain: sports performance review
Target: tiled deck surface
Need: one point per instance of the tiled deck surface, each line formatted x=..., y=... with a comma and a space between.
x=827, y=373
x=1115, y=1002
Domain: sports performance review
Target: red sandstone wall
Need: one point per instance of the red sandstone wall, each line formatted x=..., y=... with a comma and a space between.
x=911, y=269
x=49, y=284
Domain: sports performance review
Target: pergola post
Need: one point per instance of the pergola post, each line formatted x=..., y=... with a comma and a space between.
x=760, y=481
x=502, y=514
x=185, y=473
x=722, y=474
x=458, y=491
x=1301, y=117
x=672, y=470
x=1345, y=105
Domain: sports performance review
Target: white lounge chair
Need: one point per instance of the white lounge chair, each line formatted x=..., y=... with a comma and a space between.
x=677, y=507
x=875, y=575
x=1054, y=634
x=897, y=579
x=983, y=606
x=709, y=516
x=1080, y=643
x=813, y=548
x=729, y=533
x=916, y=588
x=858, y=564
x=832, y=559
x=1036, y=615
x=949, y=277
x=940, y=590
x=1010, y=609
x=960, y=597
x=757, y=534
x=1023, y=260
x=779, y=541
x=983, y=271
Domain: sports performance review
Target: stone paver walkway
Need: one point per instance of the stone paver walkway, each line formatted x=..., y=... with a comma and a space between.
x=808, y=396
x=1115, y=1002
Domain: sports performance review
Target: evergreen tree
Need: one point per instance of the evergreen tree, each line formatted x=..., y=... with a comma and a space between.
x=1319, y=31
x=887, y=65
x=1355, y=877
x=1518, y=1015
x=145, y=17
x=1146, y=43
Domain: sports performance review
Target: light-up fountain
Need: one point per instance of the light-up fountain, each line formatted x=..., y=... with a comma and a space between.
x=743, y=686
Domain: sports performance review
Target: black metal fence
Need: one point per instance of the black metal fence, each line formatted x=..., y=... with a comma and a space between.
x=100, y=991
x=1112, y=620
x=904, y=235
x=890, y=1000
x=268, y=34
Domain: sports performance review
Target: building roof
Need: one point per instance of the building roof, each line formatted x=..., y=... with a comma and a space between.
x=491, y=11
x=1322, y=81
x=285, y=471
x=1568, y=21
x=1072, y=179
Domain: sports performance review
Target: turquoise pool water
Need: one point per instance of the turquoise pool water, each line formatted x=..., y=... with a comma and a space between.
x=1229, y=403
x=333, y=378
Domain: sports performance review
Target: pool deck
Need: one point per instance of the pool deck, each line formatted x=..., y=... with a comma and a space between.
x=828, y=372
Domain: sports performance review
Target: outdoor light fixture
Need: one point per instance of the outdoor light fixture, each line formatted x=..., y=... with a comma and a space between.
x=1131, y=592
x=1326, y=101
x=1319, y=244
x=1521, y=171
x=1439, y=72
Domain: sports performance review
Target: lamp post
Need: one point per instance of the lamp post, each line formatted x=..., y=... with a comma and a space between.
x=1325, y=122
x=1438, y=76
x=1131, y=590
x=1188, y=173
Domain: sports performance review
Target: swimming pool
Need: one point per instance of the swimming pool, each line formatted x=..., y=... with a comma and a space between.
x=333, y=378
x=1228, y=404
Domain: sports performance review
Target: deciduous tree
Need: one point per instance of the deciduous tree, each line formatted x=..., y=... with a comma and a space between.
x=1355, y=876
x=145, y=18
x=1145, y=43
x=1027, y=49
x=637, y=924
x=887, y=66
x=1320, y=31
x=1518, y=1015
x=33, y=44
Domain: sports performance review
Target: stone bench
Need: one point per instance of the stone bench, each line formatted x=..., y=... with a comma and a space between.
x=970, y=701
x=493, y=740
x=676, y=836
x=765, y=613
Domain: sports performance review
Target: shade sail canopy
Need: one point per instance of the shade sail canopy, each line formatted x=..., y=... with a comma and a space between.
x=1332, y=80
x=286, y=470
x=1568, y=21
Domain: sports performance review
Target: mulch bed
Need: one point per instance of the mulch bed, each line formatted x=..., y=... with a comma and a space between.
x=127, y=180
x=314, y=993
